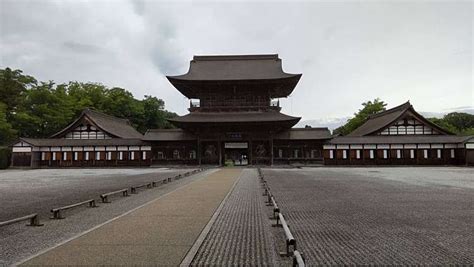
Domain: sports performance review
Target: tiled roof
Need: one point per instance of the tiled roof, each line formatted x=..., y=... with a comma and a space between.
x=385, y=118
x=83, y=142
x=234, y=117
x=411, y=139
x=225, y=74
x=114, y=126
x=305, y=134
x=235, y=67
x=168, y=135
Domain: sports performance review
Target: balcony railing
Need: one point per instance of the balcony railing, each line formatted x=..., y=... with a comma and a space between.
x=271, y=105
x=233, y=108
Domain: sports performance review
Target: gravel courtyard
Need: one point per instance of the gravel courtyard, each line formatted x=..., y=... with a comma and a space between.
x=24, y=192
x=339, y=216
x=379, y=216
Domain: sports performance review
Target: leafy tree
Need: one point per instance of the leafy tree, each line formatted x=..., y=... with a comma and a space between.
x=369, y=108
x=456, y=122
x=155, y=115
x=444, y=124
x=13, y=84
x=7, y=133
x=45, y=110
x=469, y=131
x=460, y=120
x=86, y=95
x=30, y=108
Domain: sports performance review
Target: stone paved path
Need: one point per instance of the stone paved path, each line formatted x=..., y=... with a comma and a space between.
x=158, y=233
x=241, y=234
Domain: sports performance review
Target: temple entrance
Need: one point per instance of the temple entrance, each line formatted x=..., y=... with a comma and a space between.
x=237, y=153
x=210, y=153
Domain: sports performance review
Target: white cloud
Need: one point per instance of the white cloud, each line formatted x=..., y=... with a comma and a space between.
x=348, y=52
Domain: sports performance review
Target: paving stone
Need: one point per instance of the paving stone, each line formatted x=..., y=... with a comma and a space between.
x=241, y=234
x=147, y=236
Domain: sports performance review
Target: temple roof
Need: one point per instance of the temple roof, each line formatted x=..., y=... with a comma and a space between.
x=237, y=67
x=235, y=117
x=168, y=135
x=397, y=139
x=230, y=70
x=120, y=128
x=248, y=120
x=83, y=142
x=305, y=134
x=381, y=120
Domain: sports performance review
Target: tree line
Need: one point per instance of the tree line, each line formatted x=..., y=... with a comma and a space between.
x=32, y=108
x=455, y=122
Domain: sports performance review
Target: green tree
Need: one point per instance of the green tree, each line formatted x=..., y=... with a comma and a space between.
x=13, y=84
x=444, y=124
x=155, y=116
x=469, y=131
x=369, y=108
x=86, y=95
x=45, y=110
x=29, y=109
x=461, y=121
x=456, y=122
x=7, y=133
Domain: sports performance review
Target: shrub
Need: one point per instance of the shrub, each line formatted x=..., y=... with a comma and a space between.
x=5, y=155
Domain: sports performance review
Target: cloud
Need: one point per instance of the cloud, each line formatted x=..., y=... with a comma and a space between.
x=82, y=48
x=348, y=52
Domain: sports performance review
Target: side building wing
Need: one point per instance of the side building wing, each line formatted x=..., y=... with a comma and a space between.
x=400, y=120
x=93, y=139
x=399, y=136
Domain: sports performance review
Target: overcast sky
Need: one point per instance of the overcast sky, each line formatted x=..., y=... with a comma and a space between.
x=348, y=52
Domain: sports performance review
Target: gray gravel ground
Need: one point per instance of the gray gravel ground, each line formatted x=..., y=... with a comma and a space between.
x=379, y=215
x=24, y=192
x=18, y=241
x=242, y=233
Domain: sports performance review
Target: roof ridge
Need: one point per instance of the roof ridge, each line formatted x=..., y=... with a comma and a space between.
x=104, y=115
x=234, y=57
x=312, y=128
x=405, y=105
x=168, y=130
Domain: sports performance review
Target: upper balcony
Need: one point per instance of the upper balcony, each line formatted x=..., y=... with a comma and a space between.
x=195, y=105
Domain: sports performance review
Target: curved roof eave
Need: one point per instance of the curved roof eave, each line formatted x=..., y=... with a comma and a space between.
x=185, y=77
x=185, y=86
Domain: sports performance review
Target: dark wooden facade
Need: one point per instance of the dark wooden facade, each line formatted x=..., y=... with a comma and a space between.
x=434, y=156
x=235, y=116
x=258, y=149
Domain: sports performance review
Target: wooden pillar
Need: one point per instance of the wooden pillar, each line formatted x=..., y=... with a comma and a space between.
x=94, y=152
x=219, y=147
x=417, y=154
x=271, y=149
x=349, y=152
x=250, y=152
x=199, y=150
x=140, y=157
x=50, y=157
x=32, y=158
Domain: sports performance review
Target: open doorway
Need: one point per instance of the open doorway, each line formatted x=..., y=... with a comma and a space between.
x=236, y=153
